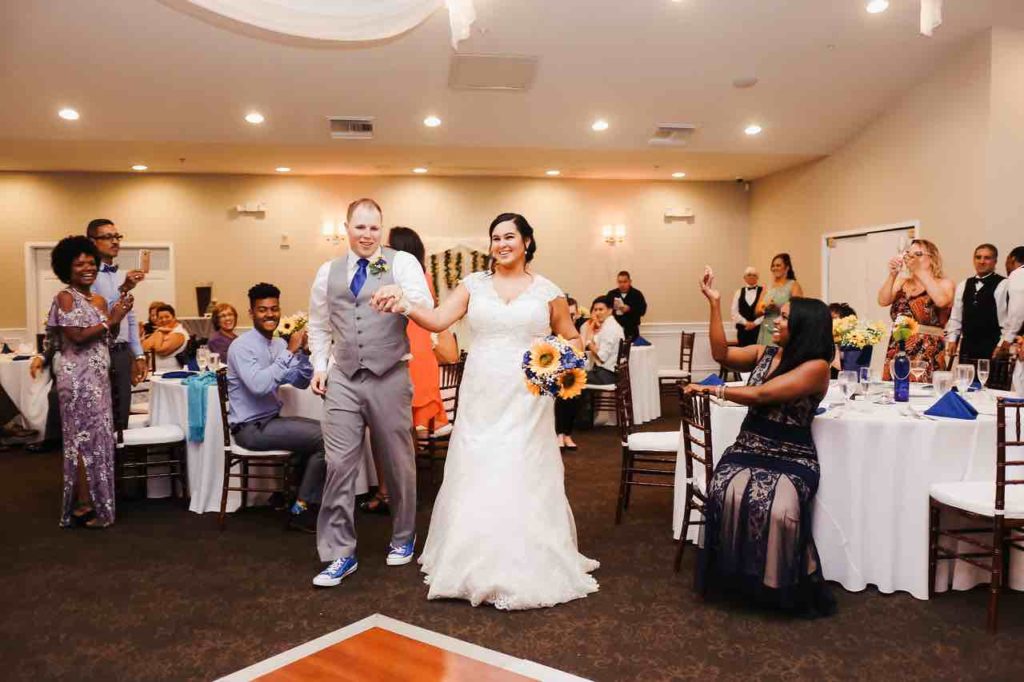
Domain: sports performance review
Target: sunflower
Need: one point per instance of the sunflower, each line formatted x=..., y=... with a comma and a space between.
x=544, y=358
x=533, y=388
x=286, y=327
x=571, y=383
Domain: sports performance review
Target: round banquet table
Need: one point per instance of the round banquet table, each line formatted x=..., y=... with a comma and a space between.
x=168, y=404
x=28, y=395
x=871, y=509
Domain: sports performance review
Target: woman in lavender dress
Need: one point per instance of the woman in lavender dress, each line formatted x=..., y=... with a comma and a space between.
x=81, y=328
x=225, y=319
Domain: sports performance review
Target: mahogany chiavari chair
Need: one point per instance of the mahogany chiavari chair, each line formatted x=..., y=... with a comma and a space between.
x=696, y=437
x=670, y=379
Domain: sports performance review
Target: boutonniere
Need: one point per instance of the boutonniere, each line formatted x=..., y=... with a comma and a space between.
x=379, y=267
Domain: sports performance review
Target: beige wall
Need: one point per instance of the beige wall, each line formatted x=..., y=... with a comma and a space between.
x=1006, y=138
x=926, y=158
x=212, y=243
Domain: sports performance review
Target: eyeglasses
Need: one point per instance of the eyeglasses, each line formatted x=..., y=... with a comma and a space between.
x=109, y=237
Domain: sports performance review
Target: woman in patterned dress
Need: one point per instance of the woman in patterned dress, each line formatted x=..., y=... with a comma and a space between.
x=81, y=328
x=784, y=287
x=925, y=295
x=757, y=537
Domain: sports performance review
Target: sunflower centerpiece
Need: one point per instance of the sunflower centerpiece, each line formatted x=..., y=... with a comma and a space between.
x=553, y=367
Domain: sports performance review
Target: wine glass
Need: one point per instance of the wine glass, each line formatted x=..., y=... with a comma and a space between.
x=918, y=368
x=983, y=369
x=963, y=375
x=901, y=252
x=203, y=358
x=847, y=384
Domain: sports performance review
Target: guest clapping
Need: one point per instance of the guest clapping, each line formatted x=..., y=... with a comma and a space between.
x=225, y=319
x=757, y=539
x=258, y=365
x=81, y=324
x=167, y=340
x=924, y=295
x=744, y=309
x=628, y=304
x=784, y=287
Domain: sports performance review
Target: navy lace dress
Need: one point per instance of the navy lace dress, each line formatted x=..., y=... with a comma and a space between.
x=757, y=540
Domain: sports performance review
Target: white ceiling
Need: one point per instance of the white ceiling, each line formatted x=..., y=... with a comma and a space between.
x=155, y=84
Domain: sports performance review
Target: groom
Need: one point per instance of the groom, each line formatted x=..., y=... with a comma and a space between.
x=367, y=386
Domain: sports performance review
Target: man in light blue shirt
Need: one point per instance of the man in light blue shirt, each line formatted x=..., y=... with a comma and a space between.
x=126, y=356
x=258, y=364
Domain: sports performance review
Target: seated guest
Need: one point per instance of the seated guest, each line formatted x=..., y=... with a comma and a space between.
x=259, y=363
x=628, y=304
x=168, y=339
x=744, y=309
x=979, y=310
x=225, y=319
x=150, y=326
x=757, y=533
x=84, y=328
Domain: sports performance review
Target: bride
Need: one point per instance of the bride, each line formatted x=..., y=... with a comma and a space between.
x=502, y=531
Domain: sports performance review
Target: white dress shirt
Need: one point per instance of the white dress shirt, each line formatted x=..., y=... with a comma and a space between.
x=607, y=340
x=407, y=274
x=955, y=324
x=1014, y=305
x=750, y=294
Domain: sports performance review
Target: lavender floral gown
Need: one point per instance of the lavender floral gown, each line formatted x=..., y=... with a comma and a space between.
x=83, y=387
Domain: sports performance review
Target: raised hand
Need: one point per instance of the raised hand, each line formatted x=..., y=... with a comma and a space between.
x=121, y=308
x=387, y=298
x=707, y=284
x=895, y=265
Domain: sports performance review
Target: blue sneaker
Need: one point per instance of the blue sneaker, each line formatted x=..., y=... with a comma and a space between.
x=399, y=555
x=336, y=572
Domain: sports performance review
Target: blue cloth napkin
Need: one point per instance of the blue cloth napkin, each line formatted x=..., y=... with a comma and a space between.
x=952, y=406
x=177, y=374
x=641, y=341
x=712, y=380
x=196, y=386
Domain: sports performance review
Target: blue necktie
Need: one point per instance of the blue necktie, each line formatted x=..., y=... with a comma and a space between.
x=360, y=277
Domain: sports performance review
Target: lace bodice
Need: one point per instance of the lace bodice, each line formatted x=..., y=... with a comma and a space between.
x=495, y=323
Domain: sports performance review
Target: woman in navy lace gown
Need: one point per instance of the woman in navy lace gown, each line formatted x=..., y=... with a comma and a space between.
x=757, y=539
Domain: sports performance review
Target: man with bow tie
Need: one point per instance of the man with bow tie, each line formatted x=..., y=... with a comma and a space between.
x=744, y=306
x=126, y=356
x=979, y=310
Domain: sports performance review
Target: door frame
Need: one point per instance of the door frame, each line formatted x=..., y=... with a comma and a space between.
x=31, y=299
x=913, y=225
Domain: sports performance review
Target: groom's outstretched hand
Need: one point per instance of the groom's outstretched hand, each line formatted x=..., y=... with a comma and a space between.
x=387, y=299
x=319, y=383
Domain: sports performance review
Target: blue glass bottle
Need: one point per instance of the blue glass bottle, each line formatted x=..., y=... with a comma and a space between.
x=901, y=375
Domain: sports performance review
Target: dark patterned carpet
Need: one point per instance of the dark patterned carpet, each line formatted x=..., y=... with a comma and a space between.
x=165, y=596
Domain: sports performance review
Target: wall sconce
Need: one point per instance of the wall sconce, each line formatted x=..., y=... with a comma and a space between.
x=332, y=234
x=614, y=234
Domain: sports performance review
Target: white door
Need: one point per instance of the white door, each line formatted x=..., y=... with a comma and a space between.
x=42, y=285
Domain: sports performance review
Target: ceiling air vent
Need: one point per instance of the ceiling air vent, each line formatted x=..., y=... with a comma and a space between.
x=351, y=127
x=672, y=134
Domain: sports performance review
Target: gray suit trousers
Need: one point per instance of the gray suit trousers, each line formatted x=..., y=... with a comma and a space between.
x=384, y=404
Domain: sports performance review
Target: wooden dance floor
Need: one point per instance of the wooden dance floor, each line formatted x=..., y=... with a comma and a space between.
x=381, y=648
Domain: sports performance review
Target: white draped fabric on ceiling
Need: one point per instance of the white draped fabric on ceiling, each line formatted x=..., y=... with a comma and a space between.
x=343, y=20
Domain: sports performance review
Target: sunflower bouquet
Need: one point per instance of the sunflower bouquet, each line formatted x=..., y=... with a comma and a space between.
x=850, y=332
x=290, y=324
x=553, y=367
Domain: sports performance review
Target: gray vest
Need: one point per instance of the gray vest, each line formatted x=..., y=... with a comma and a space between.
x=364, y=338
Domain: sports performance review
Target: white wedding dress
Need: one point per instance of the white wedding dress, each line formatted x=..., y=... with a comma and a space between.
x=502, y=531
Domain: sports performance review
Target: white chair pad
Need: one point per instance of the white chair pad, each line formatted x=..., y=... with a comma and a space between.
x=154, y=435
x=439, y=432
x=138, y=421
x=979, y=497
x=239, y=450
x=139, y=408
x=599, y=387
x=654, y=441
x=672, y=374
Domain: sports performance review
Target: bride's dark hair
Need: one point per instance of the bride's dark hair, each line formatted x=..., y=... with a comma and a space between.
x=524, y=229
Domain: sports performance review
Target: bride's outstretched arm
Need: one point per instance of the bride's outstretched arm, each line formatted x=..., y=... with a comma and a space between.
x=561, y=322
x=390, y=299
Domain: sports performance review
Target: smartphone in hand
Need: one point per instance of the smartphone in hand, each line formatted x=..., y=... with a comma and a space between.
x=144, y=257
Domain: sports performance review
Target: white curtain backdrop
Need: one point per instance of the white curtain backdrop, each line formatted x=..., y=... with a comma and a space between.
x=343, y=20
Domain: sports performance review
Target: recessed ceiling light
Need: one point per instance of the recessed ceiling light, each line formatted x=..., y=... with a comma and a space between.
x=68, y=114
x=431, y=121
x=254, y=117
x=753, y=129
x=553, y=172
x=877, y=6
x=283, y=169
x=139, y=167
x=599, y=125
x=419, y=171
x=679, y=174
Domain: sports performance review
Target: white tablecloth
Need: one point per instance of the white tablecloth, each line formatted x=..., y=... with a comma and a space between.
x=643, y=381
x=871, y=509
x=168, y=404
x=29, y=395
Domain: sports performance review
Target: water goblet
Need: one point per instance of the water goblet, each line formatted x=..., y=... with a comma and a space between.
x=214, y=361
x=847, y=384
x=942, y=382
x=963, y=375
x=203, y=358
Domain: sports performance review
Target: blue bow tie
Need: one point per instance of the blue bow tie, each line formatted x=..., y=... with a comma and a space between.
x=108, y=268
